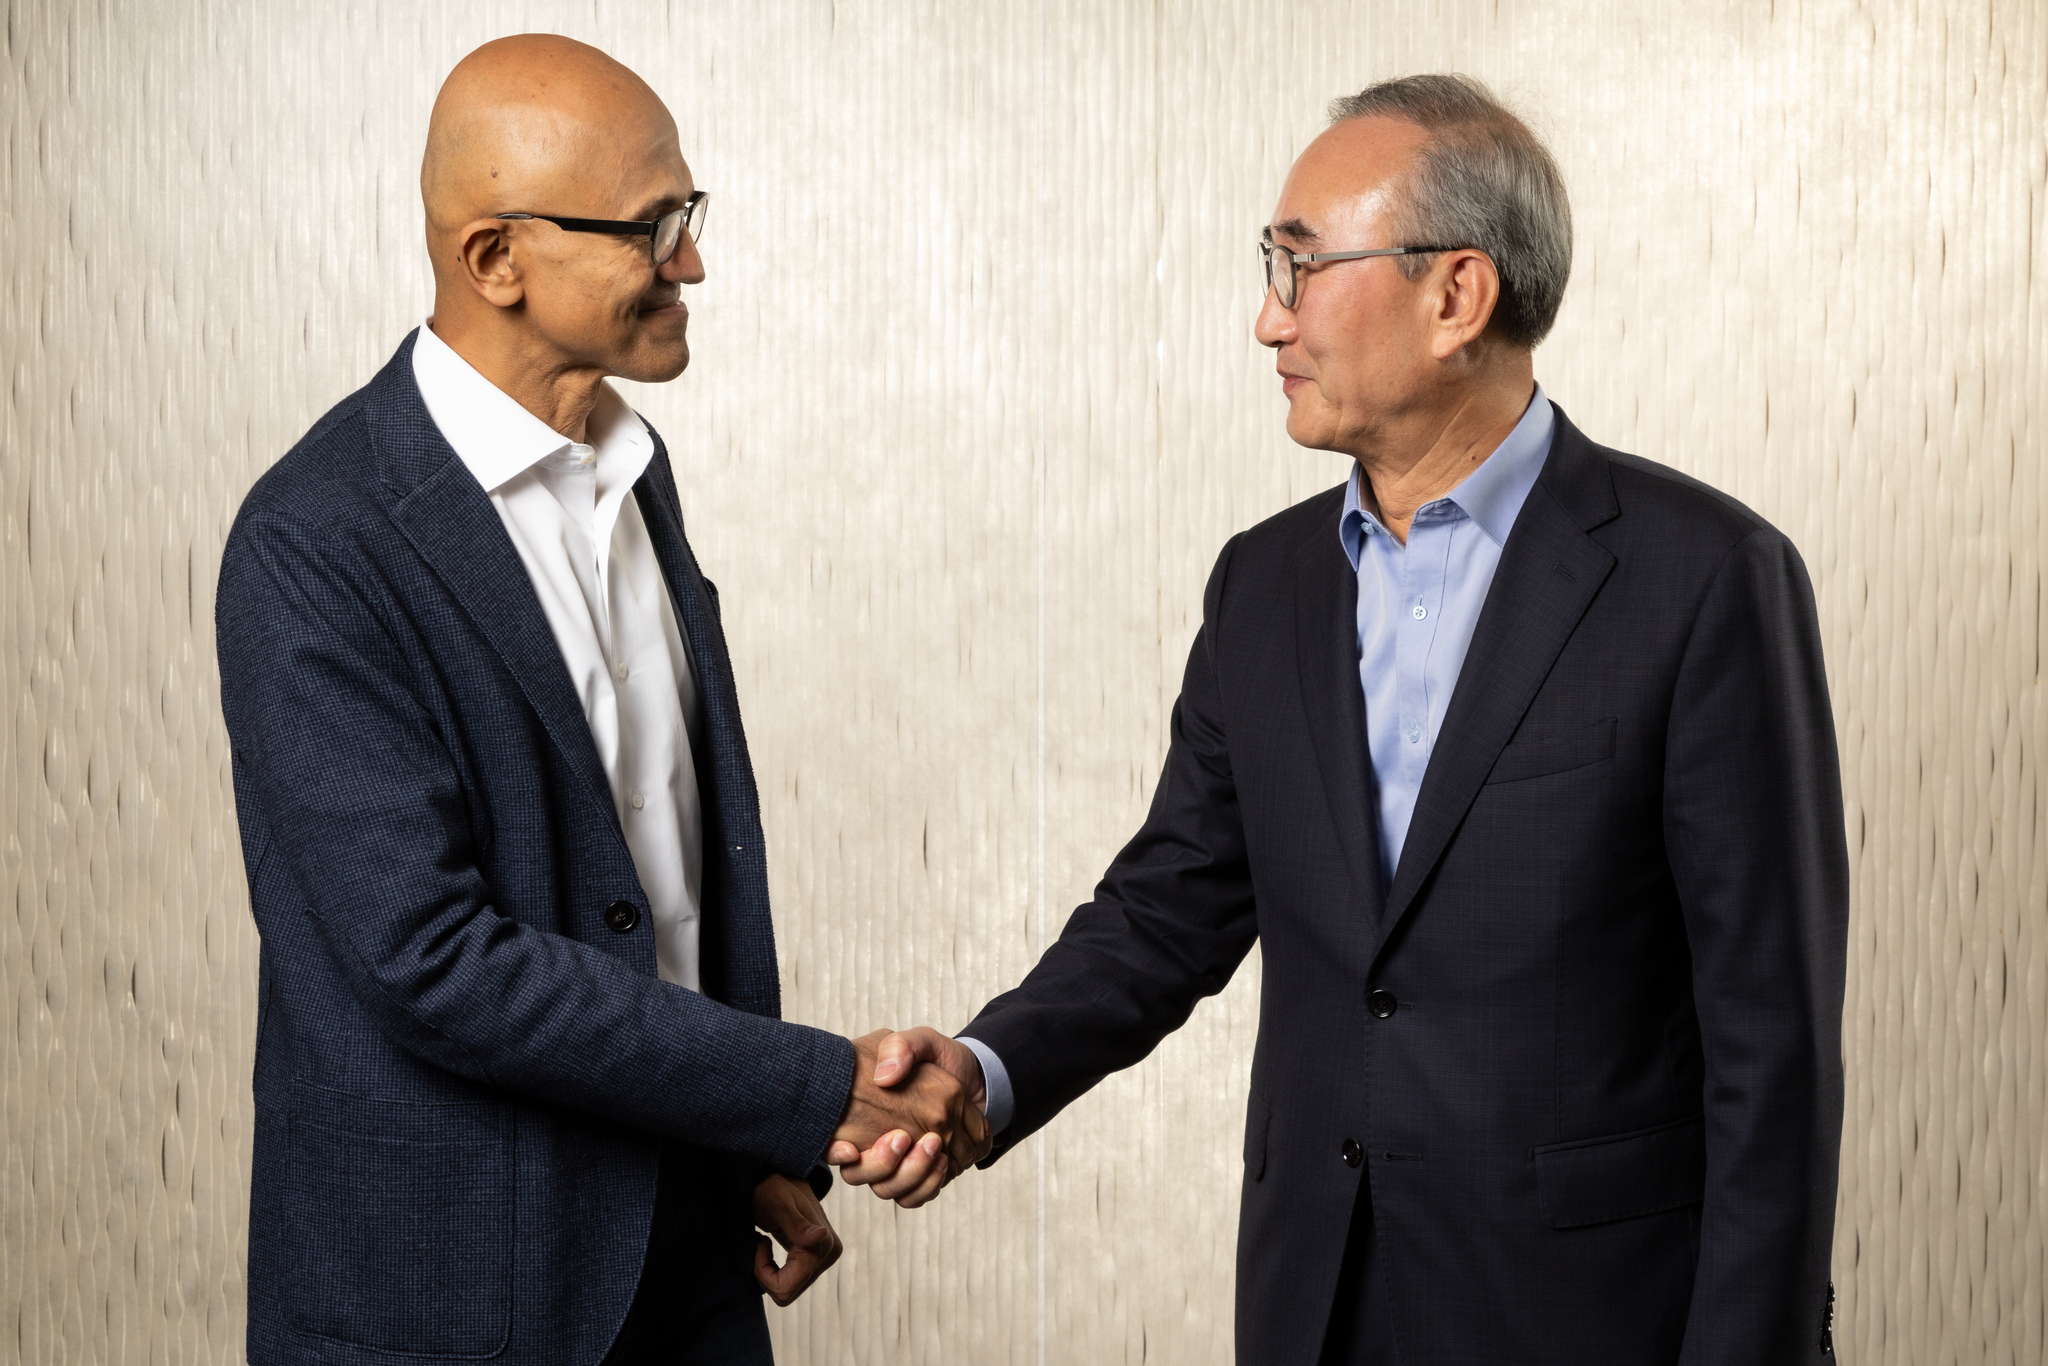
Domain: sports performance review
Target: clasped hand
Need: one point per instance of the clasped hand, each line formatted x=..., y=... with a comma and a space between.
x=914, y=1120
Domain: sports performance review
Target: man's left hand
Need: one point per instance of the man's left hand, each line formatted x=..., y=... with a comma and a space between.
x=790, y=1210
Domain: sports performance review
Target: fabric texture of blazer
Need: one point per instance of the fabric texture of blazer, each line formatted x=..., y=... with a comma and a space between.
x=466, y=1066
x=1585, y=1053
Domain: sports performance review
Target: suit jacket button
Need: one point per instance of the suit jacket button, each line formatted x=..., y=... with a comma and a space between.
x=1353, y=1153
x=1381, y=1002
x=622, y=916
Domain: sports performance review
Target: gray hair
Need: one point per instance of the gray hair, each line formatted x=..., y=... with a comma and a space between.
x=1482, y=180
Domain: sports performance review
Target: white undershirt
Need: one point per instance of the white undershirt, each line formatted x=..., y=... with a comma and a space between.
x=571, y=516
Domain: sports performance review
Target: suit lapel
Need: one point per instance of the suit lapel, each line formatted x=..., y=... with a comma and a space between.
x=1326, y=636
x=738, y=942
x=440, y=508
x=455, y=528
x=686, y=589
x=1549, y=573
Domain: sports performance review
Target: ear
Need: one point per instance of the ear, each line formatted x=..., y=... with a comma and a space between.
x=1465, y=290
x=486, y=259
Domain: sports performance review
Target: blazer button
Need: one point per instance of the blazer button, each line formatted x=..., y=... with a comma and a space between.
x=1353, y=1153
x=1381, y=1002
x=622, y=916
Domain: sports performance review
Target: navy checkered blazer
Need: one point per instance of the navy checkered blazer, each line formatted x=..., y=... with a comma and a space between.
x=465, y=1064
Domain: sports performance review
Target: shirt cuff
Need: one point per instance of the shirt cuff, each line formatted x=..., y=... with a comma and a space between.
x=999, y=1101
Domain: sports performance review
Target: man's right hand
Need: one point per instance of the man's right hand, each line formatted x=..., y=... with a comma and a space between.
x=894, y=1167
x=896, y=1097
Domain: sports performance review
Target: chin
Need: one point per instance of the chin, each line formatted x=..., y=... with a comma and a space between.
x=1305, y=431
x=657, y=365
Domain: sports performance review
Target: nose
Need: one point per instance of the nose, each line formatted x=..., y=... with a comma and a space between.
x=686, y=267
x=1275, y=325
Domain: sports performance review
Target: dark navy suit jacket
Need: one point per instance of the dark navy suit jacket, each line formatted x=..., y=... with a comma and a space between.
x=1585, y=1053
x=465, y=1064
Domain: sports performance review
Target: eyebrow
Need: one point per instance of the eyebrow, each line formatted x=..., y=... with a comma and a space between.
x=655, y=208
x=1299, y=231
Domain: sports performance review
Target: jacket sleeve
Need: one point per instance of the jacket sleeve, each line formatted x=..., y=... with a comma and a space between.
x=1168, y=925
x=365, y=811
x=1753, y=825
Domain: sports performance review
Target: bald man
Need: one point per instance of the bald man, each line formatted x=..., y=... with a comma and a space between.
x=522, y=1089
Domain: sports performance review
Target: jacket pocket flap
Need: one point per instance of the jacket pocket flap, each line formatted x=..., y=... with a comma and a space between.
x=1621, y=1176
x=1535, y=757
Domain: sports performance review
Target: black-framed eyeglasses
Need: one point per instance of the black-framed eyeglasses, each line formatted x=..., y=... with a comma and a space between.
x=666, y=231
x=1280, y=262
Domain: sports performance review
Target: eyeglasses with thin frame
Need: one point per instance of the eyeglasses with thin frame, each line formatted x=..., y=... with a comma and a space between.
x=1280, y=262
x=666, y=232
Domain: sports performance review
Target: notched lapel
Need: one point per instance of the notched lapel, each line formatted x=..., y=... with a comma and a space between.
x=451, y=523
x=739, y=936
x=731, y=801
x=689, y=590
x=1326, y=636
x=1549, y=573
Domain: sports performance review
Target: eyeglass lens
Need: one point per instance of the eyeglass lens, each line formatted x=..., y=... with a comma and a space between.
x=1279, y=272
x=669, y=230
x=668, y=235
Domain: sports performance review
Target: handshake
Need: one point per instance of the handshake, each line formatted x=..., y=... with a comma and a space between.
x=913, y=1122
x=915, y=1119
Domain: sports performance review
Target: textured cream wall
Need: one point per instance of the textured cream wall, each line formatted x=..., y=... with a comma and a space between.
x=975, y=402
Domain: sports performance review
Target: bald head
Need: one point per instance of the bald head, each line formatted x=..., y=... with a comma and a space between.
x=537, y=124
x=545, y=129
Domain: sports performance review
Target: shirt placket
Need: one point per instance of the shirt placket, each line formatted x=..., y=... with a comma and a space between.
x=619, y=647
x=641, y=771
x=1422, y=595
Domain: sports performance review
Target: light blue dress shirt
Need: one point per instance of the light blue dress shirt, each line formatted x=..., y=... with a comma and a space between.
x=1417, y=606
x=1418, y=603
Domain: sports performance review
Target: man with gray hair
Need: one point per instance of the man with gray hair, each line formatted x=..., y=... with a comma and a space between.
x=1514, y=754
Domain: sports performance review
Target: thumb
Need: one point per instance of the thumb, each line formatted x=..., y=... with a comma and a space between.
x=897, y=1058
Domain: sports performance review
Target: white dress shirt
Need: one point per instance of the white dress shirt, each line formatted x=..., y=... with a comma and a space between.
x=569, y=510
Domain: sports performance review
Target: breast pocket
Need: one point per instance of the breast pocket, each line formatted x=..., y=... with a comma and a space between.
x=1560, y=752
x=399, y=1223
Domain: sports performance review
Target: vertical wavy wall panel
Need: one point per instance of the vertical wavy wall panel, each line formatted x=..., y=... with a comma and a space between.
x=975, y=403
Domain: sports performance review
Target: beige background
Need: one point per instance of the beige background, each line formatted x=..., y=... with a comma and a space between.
x=975, y=403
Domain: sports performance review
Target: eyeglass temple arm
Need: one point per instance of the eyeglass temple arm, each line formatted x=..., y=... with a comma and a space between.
x=1360, y=255
x=616, y=225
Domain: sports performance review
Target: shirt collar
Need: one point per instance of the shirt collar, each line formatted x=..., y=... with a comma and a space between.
x=1492, y=495
x=497, y=438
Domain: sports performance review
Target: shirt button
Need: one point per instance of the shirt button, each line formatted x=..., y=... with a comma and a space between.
x=1414, y=735
x=621, y=670
x=1420, y=611
x=638, y=801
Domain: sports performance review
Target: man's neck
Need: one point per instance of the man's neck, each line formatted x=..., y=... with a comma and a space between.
x=1420, y=460
x=559, y=394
